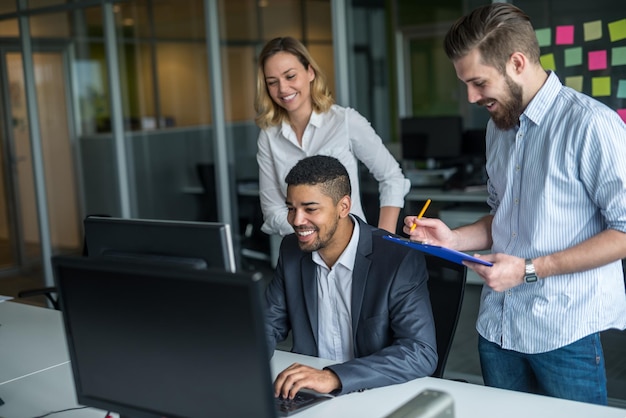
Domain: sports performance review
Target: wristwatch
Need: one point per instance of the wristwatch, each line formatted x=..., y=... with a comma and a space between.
x=530, y=276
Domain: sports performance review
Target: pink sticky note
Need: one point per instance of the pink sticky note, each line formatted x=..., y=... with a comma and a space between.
x=622, y=114
x=564, y=35
x=597, y=60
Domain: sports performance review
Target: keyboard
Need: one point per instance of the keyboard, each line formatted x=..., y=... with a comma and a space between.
x=302, y=400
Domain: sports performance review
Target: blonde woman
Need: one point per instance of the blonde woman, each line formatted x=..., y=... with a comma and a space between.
x=298, y=118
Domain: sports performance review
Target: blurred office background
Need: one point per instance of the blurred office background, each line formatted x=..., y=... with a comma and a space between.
x=144, y=109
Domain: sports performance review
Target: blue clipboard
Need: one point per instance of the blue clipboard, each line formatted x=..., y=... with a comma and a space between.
x=441, y=252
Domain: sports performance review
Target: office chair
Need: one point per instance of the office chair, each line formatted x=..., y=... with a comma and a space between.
x=255, y=244
x=446, y=284
x=206, y=175
x=50, y=292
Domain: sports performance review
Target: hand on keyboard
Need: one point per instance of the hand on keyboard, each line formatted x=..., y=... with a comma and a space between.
x=302, y=400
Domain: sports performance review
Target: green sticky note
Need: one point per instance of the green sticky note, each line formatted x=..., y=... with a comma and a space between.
x=575, y=82
x=592, y=30
x=617, y=30
x=601, y=86
x=573, y=56
x=618, y=55
x=621, y=89
x=547, y=62
x=544, y=36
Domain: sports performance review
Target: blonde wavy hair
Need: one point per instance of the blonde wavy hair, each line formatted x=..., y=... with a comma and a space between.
x=268, y=112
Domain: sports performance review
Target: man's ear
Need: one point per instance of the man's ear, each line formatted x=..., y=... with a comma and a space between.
x=517, y=63
x=344, y=205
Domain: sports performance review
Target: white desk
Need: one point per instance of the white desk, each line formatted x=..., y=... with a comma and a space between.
x=52, y=388
x=470, y=401
x=31, y=339
x=35, y=373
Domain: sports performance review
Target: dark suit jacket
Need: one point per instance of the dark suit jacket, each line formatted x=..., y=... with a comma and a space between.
x=392, y=322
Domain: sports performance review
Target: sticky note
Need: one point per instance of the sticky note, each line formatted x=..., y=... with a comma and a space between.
x=573, y=56
x=618, y=56
x=564, y=35
x=617, y=30
x=592, y=30
x=621, y=89
x=575, y=82
x=622, y=114
x=544, y=36
x=601, y=86
x=547, y=62
x=597, y=60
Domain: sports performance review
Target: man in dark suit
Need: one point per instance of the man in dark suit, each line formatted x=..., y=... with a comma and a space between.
x=345, y=293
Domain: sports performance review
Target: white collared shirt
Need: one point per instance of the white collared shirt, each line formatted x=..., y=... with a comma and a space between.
x=341, y=133
x=334, y=303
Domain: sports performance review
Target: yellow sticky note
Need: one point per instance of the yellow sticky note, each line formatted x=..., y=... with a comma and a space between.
x=601, y=86
x=617, y=30
x=592, y=30
x=575, y=82
x=547, y=62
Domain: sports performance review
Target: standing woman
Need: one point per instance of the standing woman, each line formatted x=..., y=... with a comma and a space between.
x=298, y=118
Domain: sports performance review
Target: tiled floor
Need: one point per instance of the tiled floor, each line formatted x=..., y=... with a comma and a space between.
x=463, y=362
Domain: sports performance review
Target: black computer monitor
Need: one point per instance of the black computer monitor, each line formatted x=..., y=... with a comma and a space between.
x=150, y=342
x=436, y=137
x=197, y=245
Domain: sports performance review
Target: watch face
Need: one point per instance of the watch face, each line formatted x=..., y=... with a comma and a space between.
x=530, y=278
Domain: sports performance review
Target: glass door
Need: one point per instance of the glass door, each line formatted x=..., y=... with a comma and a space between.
x=20, y=207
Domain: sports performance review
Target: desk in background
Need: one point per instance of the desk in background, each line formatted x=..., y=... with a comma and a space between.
x=33, y=331
x=420, y=194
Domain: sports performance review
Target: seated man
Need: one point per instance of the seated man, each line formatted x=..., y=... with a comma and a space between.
x=345, y=293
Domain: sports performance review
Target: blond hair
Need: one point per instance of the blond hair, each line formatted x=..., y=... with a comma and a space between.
x=268, y=112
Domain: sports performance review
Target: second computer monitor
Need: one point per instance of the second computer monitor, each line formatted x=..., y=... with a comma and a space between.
x=196, y=245
x=431, y=137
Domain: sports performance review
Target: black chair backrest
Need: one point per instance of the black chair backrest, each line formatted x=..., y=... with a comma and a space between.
x=206, y=175
x=446, y=284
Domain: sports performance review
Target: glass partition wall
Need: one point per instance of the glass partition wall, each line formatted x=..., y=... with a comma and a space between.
x=126, y=119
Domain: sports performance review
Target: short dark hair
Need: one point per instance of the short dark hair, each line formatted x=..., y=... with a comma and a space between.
x=497, y=30
x=322, y=170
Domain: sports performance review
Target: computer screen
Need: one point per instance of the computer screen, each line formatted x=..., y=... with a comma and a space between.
x=148, y=342
x=197, y=245
x=436, y=137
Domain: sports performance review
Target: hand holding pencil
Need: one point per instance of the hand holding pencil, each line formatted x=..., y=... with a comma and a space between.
x=421, y=214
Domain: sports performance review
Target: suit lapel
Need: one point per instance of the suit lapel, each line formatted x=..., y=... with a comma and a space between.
x=360, y=273
x=309, y=288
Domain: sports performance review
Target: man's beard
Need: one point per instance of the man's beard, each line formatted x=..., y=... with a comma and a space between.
x=320, y=242
x=510, y=110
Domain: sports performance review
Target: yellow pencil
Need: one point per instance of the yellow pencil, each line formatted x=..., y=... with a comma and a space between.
x=421, y=213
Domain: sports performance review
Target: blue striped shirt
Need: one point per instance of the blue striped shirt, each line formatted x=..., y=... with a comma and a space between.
x=555, y=181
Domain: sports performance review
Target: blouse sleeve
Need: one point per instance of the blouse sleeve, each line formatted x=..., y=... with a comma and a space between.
x=270, y=193
x=368, y=147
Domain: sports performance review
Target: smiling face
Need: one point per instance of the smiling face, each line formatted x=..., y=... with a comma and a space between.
x=289, y=82
x=318, y=222
x=488, y=87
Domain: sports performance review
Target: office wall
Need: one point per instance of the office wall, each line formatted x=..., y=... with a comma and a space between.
x=163, y=169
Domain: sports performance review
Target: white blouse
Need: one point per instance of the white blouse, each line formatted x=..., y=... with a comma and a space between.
x=341, y=133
